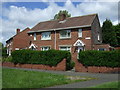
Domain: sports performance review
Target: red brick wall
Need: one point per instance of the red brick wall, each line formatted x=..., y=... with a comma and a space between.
x=94, y=69
x=60, y=66
x=21, y=40
x=106, y=46
x=117, y=48
x=70, y=41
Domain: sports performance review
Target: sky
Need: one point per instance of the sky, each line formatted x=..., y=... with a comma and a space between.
x=16, y=14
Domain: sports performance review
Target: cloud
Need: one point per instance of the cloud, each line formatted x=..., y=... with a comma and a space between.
x=22, y=17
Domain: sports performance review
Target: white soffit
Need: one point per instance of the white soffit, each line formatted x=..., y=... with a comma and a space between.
x=78, y=43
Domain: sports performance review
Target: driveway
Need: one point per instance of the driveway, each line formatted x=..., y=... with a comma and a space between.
x=102, y=78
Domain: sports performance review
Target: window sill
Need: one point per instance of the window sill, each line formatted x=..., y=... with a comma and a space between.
x=80, y=37
x=66, y=38
x=45, y=39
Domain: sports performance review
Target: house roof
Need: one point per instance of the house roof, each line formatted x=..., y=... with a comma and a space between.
x=72, y=22
x=16, y=34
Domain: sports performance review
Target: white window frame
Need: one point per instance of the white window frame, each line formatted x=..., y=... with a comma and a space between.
x=102, y=48
x=68, y=48
x=35, y=36
x=43, y=48
x=80, y=32
x=61, y=37
x=48, y=38
x=17, y=49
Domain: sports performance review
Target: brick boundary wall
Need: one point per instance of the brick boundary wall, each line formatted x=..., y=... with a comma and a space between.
x=94, y=69
x=60, y=66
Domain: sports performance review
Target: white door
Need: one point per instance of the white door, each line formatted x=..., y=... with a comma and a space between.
x=80, y=48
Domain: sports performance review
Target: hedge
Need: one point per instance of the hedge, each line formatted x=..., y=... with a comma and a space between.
x=100, y=58
x=4, y=52
x=50, y=57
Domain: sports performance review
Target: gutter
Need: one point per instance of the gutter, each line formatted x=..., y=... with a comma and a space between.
x=60, y=29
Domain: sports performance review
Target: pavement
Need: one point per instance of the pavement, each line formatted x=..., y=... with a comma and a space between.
x=102, y=78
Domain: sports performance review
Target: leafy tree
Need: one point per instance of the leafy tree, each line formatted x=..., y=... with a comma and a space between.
x=108, y=33
x=4, y=52
x=117, y=31
x=57, y=16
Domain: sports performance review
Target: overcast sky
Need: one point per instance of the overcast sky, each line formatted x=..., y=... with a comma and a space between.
x=27, y=14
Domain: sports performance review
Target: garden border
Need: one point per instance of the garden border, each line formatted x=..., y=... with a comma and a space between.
x=59, y=67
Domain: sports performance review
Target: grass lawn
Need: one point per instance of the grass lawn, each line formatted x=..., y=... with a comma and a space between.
x=16, y=78
x=108, y=85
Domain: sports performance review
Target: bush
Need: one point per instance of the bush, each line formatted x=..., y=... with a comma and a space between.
x=7, y=59
x=4, y=52
x=100, y=58
x=50, y=57
x=71, y=65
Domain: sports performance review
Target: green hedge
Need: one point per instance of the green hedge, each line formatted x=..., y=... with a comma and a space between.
x=50, y=57
x=4, y=52
x=100, y=58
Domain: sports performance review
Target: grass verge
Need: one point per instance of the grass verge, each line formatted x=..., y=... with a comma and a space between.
x=108, y=85
x=16, y=78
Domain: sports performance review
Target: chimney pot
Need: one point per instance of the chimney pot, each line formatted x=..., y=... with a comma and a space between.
x=18, y=30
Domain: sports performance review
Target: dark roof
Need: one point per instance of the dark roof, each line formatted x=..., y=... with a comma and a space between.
x=71, y=22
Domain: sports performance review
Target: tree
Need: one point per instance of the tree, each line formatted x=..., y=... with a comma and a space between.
x=1, y=45
x=117, y=31
x=108, y=33
x=57, y=16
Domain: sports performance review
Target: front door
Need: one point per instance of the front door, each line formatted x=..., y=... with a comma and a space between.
x=80, y=48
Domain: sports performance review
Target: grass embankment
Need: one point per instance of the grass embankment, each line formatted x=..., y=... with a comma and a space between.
x=15, y=78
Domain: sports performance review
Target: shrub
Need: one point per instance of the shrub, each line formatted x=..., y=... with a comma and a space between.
x=100, y=58
x=7, y=59
x=50, y=57
x=71, y=65
x=4, y=52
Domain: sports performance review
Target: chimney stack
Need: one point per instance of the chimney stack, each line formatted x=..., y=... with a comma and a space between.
x=17, y=31
x=62, y=17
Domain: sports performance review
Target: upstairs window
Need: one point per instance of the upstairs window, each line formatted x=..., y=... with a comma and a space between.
x=45, y=48
x=79, y=32
x=34, y=36
x=65, y=34
x=46, y=36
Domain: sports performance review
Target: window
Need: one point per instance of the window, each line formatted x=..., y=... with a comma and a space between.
x=46, y=36
x=16, y=48
x=34, y=36
x=101, y=49
x=65, y=48
x=80, y=33
x=98, y=37
x=65, y=34
x=45, y=48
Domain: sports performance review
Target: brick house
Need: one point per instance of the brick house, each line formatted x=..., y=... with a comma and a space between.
x=18, y=41
x=73, y=34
